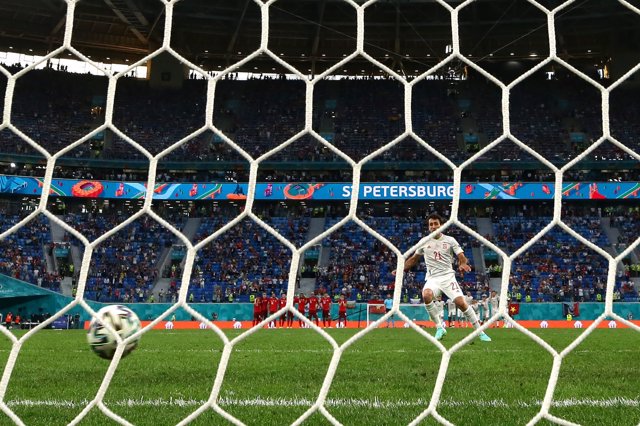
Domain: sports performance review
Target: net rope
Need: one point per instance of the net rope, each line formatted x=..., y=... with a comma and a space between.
x=338, y=350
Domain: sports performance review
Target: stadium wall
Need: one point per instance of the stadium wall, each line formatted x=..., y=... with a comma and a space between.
x=19, y=297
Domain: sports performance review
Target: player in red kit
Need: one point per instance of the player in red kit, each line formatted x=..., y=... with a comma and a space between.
x=273, y=308
x=257, y=310
x=290, y=313
x=342, y=311
x=325, y=304
x=263, y=306
x=282, y=302
x=302, y=303
x=313, y=309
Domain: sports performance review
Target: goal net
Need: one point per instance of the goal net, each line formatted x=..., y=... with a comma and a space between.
x=414, y=316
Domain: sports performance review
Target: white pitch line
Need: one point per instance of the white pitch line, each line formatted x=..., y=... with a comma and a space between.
x=331, y=402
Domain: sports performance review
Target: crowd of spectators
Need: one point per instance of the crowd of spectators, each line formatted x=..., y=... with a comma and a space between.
x=124, y=267
x=54, y=109
x=557, y=118
x=247, y=260
x=627, y=221
x=21, y=253
x=244, y=260
x=558, y=267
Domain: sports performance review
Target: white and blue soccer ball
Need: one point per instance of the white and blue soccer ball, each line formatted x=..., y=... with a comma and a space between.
x=123, y=320
x=544, y=324
x=237, y=324
x=613, y=324
x=577, y=324
x=339, y=324
x=168, y=325
x=203, y=326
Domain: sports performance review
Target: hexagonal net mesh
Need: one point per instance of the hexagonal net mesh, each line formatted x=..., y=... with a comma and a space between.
x=319, y=404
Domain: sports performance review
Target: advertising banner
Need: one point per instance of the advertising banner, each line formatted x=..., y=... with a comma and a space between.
x=321, y=191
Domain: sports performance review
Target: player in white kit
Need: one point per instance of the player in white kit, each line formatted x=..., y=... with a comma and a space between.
x=476, y=307
x=440, y=305
x=469, y=299
x=494, y=301
x=438, y=254
x=452, y=312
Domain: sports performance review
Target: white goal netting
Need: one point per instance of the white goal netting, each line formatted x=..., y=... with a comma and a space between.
x=296, y=253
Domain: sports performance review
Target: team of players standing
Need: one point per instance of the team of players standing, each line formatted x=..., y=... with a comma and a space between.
x=263, y=306
x=312, y=306
x=483, y=308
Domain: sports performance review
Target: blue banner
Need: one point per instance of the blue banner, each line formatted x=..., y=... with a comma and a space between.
x=321, y=191
x=61, y=323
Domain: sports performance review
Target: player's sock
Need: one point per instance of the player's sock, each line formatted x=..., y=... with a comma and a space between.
x=471, y=316
x=432, y=309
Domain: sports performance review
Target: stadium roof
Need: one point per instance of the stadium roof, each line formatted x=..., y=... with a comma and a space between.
x=314, y=34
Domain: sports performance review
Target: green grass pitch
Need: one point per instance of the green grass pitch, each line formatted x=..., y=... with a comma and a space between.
x=385, y=378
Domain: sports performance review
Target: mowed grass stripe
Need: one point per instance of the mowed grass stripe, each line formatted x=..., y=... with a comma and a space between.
x=273, y=376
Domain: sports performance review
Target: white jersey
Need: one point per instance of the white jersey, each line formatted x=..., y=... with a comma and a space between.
x=451, y=307
x=475, y=308
x=484, y=303
x=493, y=302
x=439, y=255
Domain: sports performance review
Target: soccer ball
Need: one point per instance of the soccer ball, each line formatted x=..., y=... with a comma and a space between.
x=544, y=324
x=203, y=326
x=123, y=320
x=612, y=324
x=168, y=325
x=577, y=324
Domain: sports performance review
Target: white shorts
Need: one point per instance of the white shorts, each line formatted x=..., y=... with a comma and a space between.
x=446, y=284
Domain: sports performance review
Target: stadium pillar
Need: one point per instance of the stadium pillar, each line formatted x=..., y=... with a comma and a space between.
x=165, y=71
